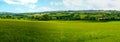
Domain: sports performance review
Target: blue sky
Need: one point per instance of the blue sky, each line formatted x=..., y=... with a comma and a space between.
x=53, y=5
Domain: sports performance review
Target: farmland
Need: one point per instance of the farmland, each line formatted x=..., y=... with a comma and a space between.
x=59, y=31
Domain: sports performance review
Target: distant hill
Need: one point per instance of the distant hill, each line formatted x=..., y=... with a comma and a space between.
x=69, y=11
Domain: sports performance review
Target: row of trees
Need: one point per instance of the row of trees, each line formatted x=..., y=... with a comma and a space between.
x=93, y=17
x=66, y=15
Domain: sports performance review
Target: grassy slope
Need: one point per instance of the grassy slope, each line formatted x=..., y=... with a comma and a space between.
x=59, y=31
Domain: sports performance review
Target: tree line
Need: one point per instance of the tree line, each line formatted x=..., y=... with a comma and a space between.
x=92, y=15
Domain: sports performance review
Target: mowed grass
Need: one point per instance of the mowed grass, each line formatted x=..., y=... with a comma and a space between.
x=59, y=31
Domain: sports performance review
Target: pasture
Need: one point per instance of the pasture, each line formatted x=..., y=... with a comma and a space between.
x=59, y=31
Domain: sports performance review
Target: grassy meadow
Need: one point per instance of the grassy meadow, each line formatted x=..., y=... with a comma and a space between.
x=59, y=31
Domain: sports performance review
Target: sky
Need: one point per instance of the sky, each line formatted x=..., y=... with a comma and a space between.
x=20, y=6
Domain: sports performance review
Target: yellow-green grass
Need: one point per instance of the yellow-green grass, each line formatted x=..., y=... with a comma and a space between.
x=59, y=31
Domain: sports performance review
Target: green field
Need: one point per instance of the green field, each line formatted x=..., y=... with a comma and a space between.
x=59, y=31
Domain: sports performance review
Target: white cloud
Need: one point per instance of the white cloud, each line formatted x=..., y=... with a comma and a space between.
x=20, y=1
x=46, y=9
x=19, y=9
x=28, y=3
x=41, y=9
x=56, y=3
x=91, y=4
x=72, y=3
x=31, y=6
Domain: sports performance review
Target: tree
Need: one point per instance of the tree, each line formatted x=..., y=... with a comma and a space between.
x=82, y=16
x=76, y=17
x=44, y=17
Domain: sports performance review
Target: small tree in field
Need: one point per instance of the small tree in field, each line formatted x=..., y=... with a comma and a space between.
x=44, y=17
x=76, y=17
x=82, y=16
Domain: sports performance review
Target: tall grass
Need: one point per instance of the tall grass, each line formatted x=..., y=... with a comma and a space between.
x=59, y=31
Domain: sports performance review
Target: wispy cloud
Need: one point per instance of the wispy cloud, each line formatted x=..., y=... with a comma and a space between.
x=29, y=3
x=90, y=4
x=21, y=1
x=46, y=8
x=41, y=9
x=48, y=5
x=56, y=3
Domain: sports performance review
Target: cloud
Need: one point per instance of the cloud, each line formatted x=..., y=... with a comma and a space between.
x=56, y=3
x=90, y=4
x=41, y=9
x=19, y=9
x=31, y=6
x=20, y=1
x=29, y=3
x=45, y=9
